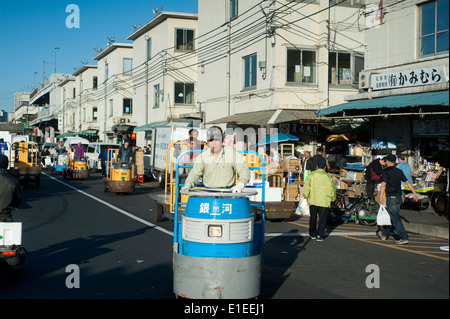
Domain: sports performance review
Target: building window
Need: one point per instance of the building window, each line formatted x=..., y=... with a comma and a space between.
x=127, y=66
x=111, y=107
x=95, y=82
x=250, y=71
x=106, y=71
x=184, y=93
x=74, y=92
x=233, y=9
x=301, y=66
x=434, y=27
x=149, y=48
x=344, y=68
x=184, y=39
x=94, y=113
x=156, y=96
x=127, y=106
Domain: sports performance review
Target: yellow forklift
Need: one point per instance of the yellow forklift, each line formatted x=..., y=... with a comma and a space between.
x=120, y=177
x=25, y=166
x=77, y=168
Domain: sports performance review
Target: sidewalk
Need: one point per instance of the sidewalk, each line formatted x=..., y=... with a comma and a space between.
x=425, y=222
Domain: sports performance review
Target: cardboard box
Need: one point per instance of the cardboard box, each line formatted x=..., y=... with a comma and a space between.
x=276, y=180
x=292, y=188
x=291, y=164
x=290, y=197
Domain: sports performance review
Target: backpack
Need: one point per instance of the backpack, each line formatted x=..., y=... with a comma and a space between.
x=374, y=176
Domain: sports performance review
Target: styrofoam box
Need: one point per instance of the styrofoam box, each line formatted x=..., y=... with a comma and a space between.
x=10, y=234
x=273, y=194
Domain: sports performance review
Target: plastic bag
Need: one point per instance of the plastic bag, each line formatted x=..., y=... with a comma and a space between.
x=383, y=218
x=302, y=208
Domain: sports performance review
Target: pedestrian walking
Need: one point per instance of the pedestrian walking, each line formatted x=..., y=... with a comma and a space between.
x=405, y=168
x=391, y=187
x=320, y=192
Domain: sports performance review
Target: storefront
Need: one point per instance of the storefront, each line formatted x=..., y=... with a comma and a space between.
x=413, y=125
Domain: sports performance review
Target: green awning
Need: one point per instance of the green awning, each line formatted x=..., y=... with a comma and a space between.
x=149, y=127
x=371, y=106
x=68, y=134
x=88, y=133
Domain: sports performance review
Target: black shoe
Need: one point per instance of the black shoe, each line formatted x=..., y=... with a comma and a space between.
x=319, y=238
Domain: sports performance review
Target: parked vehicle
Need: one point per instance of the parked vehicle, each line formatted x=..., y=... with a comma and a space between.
x=93, y=152
x=74, y=140
x=162, y=139
x=12, y=253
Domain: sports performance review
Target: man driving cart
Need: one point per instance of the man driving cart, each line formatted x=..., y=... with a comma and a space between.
x=218, y=165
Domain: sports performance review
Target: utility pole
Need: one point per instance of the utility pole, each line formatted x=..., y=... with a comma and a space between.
x=56, y=48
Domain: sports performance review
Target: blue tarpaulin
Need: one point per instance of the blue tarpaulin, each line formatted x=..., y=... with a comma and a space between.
x=277, y=138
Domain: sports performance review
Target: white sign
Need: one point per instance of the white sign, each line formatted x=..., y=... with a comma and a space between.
x=374, y=14
x=416, y=77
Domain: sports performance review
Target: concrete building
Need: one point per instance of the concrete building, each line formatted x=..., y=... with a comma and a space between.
x=272, y=63
x=66, y=119
x=47, y=98
x=165, y=78
x=85, y=101
x=22, y=106
x=115, y=92
x=404, y=85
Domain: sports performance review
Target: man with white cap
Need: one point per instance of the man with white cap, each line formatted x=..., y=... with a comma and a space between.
x=218, y=165
x=391, y=185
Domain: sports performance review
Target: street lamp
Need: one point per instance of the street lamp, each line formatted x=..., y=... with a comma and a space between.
x=56, y=48
x=34, y=81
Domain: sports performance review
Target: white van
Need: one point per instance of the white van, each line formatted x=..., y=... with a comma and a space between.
x=74, y=140
x=93, y=152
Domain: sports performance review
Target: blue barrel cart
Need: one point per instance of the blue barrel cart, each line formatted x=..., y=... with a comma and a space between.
x=217, y=243
x=61, y=162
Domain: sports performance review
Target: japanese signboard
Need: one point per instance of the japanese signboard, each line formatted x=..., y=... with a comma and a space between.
x=407, y=78
x=298, y=128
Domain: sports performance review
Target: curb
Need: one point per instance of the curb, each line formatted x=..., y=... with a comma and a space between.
x=427, y=230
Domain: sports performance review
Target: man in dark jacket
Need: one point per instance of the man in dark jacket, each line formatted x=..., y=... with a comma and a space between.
x=10, y=191
x=373, y=175
x=125, y=153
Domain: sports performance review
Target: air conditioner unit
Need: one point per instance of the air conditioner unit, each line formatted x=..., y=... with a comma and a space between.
x=364, y=79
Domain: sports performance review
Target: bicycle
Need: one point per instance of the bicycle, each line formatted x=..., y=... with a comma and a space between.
x=362, y=209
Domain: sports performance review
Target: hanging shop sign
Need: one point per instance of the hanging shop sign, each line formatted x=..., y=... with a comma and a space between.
x=297, y=128
x=439, y=127
x=407, y=78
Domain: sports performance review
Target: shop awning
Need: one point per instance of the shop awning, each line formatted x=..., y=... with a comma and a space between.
x=88, y=133
x=67, y=134
x=262, y=118
x=393, y=103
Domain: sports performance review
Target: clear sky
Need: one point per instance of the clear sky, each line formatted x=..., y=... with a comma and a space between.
x=31, y=29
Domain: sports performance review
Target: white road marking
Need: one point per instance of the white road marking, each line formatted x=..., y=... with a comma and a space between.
x=335, y=233
x=143, y=221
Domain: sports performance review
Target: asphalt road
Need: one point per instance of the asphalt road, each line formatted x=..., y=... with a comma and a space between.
x=121, y=255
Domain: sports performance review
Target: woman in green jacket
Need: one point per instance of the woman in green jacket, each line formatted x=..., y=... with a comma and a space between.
x=320, y=192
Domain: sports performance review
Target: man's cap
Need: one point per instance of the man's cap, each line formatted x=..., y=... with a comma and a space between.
x=391, y=158
x=321, y=163
x=214, y=133
x=126, y=140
